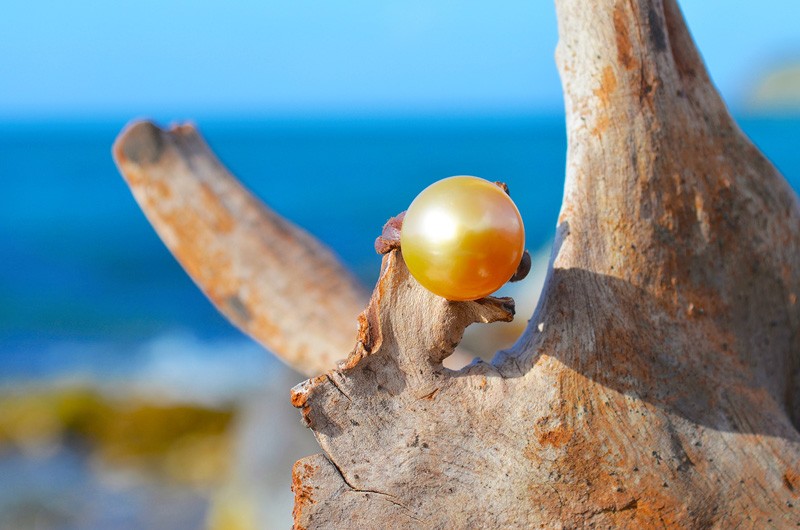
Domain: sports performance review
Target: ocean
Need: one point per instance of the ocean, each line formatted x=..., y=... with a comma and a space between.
x=86, y=286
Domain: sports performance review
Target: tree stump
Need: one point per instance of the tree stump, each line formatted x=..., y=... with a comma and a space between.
x=656, y=384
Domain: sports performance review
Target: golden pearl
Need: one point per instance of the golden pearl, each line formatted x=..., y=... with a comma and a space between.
x=462, y=238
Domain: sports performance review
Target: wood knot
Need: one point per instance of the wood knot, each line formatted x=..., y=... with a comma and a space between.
x=523, y=269
x=390, y=237
x=142, y=143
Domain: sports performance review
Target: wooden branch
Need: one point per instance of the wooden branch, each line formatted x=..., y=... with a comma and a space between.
x=657, y=383
x=267, y=276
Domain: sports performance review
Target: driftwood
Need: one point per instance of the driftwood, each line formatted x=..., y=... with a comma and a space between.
x=270, y=278
x=656, y=384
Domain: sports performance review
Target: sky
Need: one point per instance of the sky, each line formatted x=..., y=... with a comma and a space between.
x=185, y=58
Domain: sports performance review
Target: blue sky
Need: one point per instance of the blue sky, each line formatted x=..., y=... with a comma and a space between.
x=197, y=58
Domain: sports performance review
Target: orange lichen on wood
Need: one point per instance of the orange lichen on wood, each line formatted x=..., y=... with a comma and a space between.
x=557, y=437
x=791, y=479
x=608, y=85
x=625, y=55
x=302, y=473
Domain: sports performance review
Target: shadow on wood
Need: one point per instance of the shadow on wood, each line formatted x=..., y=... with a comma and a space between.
x=655, y=385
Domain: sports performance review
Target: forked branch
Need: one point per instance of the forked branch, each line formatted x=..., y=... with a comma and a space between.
x=656, y=384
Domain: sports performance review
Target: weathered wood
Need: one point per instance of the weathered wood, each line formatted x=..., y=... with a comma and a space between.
x=270, y=278
x=656, y=384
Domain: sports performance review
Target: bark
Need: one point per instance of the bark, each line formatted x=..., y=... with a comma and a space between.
x=270, y=278
x=656, y=384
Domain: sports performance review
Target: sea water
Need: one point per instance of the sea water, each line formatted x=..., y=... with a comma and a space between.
x=86, y=286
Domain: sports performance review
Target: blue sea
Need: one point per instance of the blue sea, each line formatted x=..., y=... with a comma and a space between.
x=86, y=286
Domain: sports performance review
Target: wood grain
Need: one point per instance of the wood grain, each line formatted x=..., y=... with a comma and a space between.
x=269, y=277
x=656, y=385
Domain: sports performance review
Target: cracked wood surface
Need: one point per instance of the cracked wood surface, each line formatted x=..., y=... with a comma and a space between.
x=656, y=384
x=270, y=278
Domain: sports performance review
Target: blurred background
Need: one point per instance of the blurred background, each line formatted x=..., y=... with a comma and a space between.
x=126, y=401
